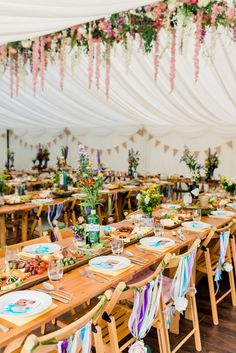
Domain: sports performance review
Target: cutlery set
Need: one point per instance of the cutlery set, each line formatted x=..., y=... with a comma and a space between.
x=56, y=294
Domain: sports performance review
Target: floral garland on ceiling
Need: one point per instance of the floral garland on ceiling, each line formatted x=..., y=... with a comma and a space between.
x=97, y=38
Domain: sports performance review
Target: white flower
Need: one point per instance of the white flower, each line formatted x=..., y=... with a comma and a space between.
x=227, y=267
x=82, y=30
x=203, y=3
x=180, y=304
x=26, y=43
x=138, y=196
x=138, y=347
x=146, y=199
x=173, y=4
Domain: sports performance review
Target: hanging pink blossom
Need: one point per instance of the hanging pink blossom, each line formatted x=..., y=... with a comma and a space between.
x=42, y=62
x=156, y=56
x=3, y=56
x=172, y=60
x=35, y=62
x=17, y=74
x=230, y=13
x=90, y=62
x=108, y=69
x=198, y=39
x=98, y=63
x=11, y=76
x=73, y=29
x=62, y=64
x=216, y=10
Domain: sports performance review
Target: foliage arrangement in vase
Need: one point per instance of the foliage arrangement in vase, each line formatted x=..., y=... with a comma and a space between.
x=194, y=168
x=3, y=186
x=79, y=234
x=90, y=184
x=133, y=161
x=229, y=185
x=62, y=161
x=211, y=163
x=148, y=199
x=42, y=157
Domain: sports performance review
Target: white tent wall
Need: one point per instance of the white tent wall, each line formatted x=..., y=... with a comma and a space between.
x=153, y=158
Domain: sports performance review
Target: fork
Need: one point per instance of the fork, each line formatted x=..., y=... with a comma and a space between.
x=91, y=276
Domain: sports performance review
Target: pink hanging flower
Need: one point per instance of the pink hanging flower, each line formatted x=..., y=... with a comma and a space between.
x=11, y=76
x=73, y=29
x=3, y=55
x=108, y=69
x=172, y=60
x=12, y=51
x=42, y=62
x=62, y=64
x=102, y=25
x=156, y=57
x=17, y=75
x=193, y=1
x=198, y=39
x=90, y=62
x=98, y=63
x=216, y=10
x=138, y=347
x=35, y=62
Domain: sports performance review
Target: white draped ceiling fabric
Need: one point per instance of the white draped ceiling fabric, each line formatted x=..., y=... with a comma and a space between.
x=201, y=114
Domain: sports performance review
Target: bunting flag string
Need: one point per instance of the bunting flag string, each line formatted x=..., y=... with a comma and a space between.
x=141, y=132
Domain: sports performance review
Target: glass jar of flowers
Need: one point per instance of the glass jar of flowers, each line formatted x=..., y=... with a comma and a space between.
x=229, y=185
x=148, y=199
x=211, y=163
x=90, y=184
x=79, y=235
x=194, y=168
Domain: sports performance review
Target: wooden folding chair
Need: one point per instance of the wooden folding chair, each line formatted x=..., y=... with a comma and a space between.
x=113, y=321
x=107, y=207
x=174, y=263
x=208, y=257
x=128, y=202
x=48, y=342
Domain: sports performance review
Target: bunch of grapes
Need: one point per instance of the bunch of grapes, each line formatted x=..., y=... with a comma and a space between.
x=35, y=266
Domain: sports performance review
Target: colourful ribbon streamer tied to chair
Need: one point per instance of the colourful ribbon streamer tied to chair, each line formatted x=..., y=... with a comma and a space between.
x=54, y=212
x=79, y=342
x=146, y=305
x=180, y=284
x=224, y=241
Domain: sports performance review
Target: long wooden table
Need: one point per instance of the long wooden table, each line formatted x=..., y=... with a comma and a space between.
x=85, y=289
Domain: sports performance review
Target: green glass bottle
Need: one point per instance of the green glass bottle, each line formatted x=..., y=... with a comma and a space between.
x=93, y=228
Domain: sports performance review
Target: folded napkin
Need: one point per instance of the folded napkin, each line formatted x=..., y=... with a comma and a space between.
x=20, y=321
x=109, y=272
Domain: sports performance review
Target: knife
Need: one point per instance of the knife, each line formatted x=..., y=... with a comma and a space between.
x=57, y=297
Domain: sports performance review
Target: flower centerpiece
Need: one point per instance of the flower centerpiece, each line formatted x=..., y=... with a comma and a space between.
x=79, y=234
x=42, y=157
x=229, y=184
x=211, y=163
x=133, y=162
x=148, y=199
x=90, y=184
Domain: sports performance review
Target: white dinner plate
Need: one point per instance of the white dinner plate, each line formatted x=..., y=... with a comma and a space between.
x=41, y=248
x=24, y=303
x=111, y=263
x=157, y=242
x=196, y=225
x=80, y=195
x=41, y=200
x=103, y=191
x=232, y=205
x=223, y=213
x=169, y=206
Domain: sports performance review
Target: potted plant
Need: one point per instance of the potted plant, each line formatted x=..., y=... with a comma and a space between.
x=229, y=185
x=194, y=168
x=211, y=163
x=133, y=162
x=148, y=199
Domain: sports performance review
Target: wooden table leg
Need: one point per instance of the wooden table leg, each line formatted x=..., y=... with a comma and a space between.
x=24, y=235
x=3, y=230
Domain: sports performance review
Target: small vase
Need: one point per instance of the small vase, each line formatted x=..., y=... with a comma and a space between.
x=147, y=214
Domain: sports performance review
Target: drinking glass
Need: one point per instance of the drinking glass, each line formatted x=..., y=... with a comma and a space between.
x=10, y=256
x=158, y=229
x=220, y=206
x=137, y=219
x=197, y=215
x=55, y=270
x=187, y=199
x=117, y=246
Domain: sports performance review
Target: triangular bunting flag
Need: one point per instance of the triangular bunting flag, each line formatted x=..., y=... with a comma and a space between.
x=67, y=132
x=109, y=151
x=157, y=143
x=124, y=144
x=73, y=138
x=150, y=136
x=175, y=151
x=131, y=138
x=230, y=144
x=166, y=147
x=206, y=152
x=196, y=154
x=140, y=132
x=92, y=150
x=117, y=149
x=49, y=144
x=60, y=136
x=218, y=149
x=55, y=140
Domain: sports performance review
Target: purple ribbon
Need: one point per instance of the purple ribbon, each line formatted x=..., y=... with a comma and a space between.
x=144, y=307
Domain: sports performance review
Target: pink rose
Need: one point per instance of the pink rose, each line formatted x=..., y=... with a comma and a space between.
x=102, y=25
x=230, y=13
x=138, y=347
x=193, y=1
